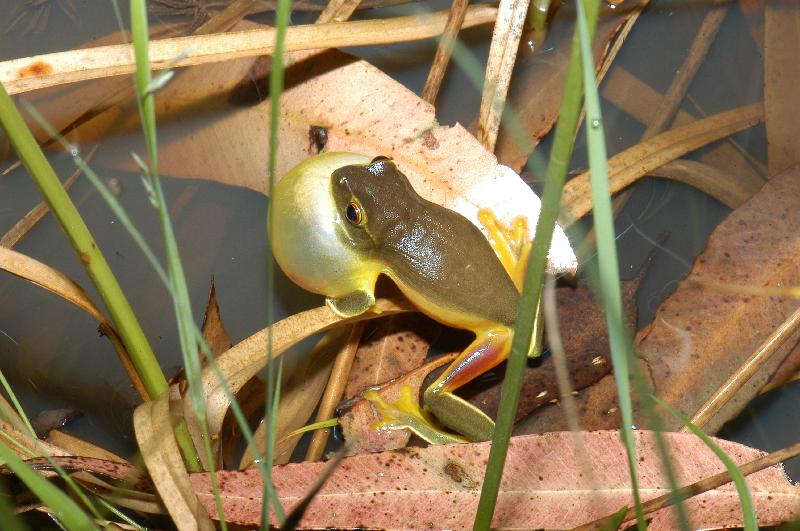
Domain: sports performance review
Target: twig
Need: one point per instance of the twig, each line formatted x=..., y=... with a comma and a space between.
x=626, y=167
x=31, y=73
x=502, y=54
x=749, y=368
x=338, y=11
x=701, y=486
x=440, y=61
x=680, y=84
x=334, y=391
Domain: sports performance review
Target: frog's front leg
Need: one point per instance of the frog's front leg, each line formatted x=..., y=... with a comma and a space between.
x=489, y=349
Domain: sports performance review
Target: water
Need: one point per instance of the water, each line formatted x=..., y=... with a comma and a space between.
x=54, y=357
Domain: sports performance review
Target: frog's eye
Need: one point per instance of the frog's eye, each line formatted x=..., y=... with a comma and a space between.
x=353, y=213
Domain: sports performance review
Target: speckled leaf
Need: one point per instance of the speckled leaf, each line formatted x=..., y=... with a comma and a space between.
x=390, y=348
x=543, y=486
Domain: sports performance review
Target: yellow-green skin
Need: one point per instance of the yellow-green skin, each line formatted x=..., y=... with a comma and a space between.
x=439, y=260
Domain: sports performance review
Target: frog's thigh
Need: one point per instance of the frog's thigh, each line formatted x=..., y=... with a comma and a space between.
x=488, y=350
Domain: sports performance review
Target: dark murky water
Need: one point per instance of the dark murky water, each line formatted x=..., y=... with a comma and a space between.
x=54, y=358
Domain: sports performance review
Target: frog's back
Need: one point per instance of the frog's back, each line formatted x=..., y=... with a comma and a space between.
x=447, y=268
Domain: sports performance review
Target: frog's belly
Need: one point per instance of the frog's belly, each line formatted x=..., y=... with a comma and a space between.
x=443, y=313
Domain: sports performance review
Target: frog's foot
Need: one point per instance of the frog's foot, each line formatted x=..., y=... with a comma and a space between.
x=406, y=413
x=510, y=244
x=458, y=414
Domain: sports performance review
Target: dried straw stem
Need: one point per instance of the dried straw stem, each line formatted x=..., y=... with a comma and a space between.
x=445, y=49
x=31, y=73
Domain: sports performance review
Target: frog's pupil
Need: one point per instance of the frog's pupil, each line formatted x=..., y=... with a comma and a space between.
x=353, y=214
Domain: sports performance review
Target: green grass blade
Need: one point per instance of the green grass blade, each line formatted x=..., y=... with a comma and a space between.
x=276, y=76
x=80, y=238
x=619, y=339
x=745, y=500
x=551, y=197
x=64, y=508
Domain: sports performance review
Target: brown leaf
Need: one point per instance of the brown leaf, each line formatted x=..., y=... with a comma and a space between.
x=542, y=486
x=213, y=328
x=390, y=348
x=358, y=422
x=781, y=78
x=699, y=338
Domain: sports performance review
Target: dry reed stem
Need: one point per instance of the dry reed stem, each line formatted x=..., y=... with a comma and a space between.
x=338, y=11
x=502, y=55
x=749, y=368
x=627, y=167
x=31, y=73
x=334, y=391
x=699, y=487
x=245, y=359
x=445, y=49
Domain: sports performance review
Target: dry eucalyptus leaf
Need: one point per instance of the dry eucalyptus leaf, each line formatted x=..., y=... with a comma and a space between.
x=213, y=328
x=543, y=485
x=698, y=338
x=390, y=348
x=152, y=423
x=358, y=423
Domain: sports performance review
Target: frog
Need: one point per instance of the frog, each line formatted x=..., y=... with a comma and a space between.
x=340, y=220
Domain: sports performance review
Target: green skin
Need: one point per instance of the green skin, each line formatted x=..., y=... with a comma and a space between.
x=338, y=221
x=441, y=262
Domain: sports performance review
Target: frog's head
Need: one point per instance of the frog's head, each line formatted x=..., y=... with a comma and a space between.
x=309, y=230
x=372, y=200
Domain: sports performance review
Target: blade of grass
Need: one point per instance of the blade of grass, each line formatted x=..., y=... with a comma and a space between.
x=748, y=511
x=608, y=275
x=619, y=339
x=272, y=394
x=80, y=238
x=551, y=197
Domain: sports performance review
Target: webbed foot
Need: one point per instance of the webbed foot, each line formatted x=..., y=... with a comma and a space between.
x=458, y=414
x=406, y=413
x=510, y=244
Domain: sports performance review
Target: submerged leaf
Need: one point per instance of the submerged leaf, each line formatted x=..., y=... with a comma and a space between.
x=543, y=485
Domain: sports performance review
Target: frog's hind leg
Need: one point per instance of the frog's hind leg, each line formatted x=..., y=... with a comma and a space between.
x=488, y=350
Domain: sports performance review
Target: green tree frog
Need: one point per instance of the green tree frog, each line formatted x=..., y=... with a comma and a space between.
x=339, y=220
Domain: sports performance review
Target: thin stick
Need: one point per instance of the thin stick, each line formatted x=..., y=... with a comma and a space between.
x=680, y=84
x=704, y=485
x=445, y=49
x=334, y=391
x=48, y=70
x=338, y=11
x=502, y=55
x=749, y=368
